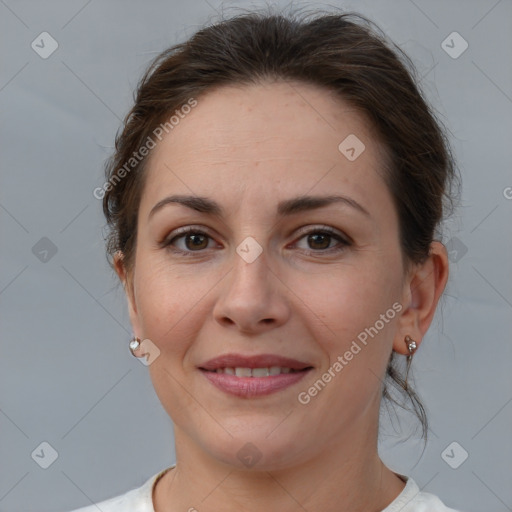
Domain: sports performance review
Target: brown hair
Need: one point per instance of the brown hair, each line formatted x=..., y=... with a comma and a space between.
x=342, y=52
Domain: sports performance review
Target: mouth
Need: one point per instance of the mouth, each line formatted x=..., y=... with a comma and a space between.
x=253, y=376
x=241, y=371
x=258, y=362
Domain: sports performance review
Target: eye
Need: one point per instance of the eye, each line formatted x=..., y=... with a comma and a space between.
x=192, y=238
x=320, y=240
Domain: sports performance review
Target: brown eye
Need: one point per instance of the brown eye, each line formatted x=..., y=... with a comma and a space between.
x=196, y=241
x=319, y=240
x=189, y=241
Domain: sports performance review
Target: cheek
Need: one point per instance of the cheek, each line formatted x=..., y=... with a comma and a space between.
x=355, y=321
x=165, y=304
x=169, y=309
x=342, y=302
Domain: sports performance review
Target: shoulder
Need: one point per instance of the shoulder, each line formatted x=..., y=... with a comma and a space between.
x=411, y=499
x=139, y=499
x=132, y=500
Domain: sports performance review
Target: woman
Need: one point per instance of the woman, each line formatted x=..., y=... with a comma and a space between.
x=273, y=201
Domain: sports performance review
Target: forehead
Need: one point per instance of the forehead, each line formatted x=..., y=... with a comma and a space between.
x=267, y=137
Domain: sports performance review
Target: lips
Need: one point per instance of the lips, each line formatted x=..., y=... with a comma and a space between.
x=259, y=361
x=253, y=376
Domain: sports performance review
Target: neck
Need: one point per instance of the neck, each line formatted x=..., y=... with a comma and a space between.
x=348, y=476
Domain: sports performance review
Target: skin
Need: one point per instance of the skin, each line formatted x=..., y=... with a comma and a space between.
x=248, y=148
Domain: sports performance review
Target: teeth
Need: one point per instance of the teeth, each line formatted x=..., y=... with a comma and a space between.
x=243, y=372
x=255, y=372
x=260, y=372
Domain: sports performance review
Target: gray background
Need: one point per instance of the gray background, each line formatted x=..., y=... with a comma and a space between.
x=67, y=377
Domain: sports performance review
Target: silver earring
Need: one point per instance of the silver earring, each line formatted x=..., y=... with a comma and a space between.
x=134, y=346
x=411, y=346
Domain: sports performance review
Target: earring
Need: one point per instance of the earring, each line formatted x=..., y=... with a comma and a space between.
x=411, y=346
x=134, y=346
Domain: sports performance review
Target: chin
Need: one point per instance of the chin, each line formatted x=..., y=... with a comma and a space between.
x=260, y=448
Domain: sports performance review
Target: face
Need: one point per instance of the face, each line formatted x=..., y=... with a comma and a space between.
x=263, y=276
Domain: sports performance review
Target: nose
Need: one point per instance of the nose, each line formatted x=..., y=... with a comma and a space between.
x=252, y=298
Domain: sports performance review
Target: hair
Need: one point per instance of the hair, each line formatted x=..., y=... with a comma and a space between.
x=344, y=53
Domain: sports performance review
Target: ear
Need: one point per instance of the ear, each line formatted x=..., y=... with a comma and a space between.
x=128, y=284
x=422, y=289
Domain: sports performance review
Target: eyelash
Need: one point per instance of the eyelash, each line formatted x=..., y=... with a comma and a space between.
x=325, y=230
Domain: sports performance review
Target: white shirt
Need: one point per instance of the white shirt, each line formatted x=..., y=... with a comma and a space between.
x=141, y=499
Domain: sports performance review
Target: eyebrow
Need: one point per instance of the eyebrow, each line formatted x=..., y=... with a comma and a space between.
x=284, y=208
